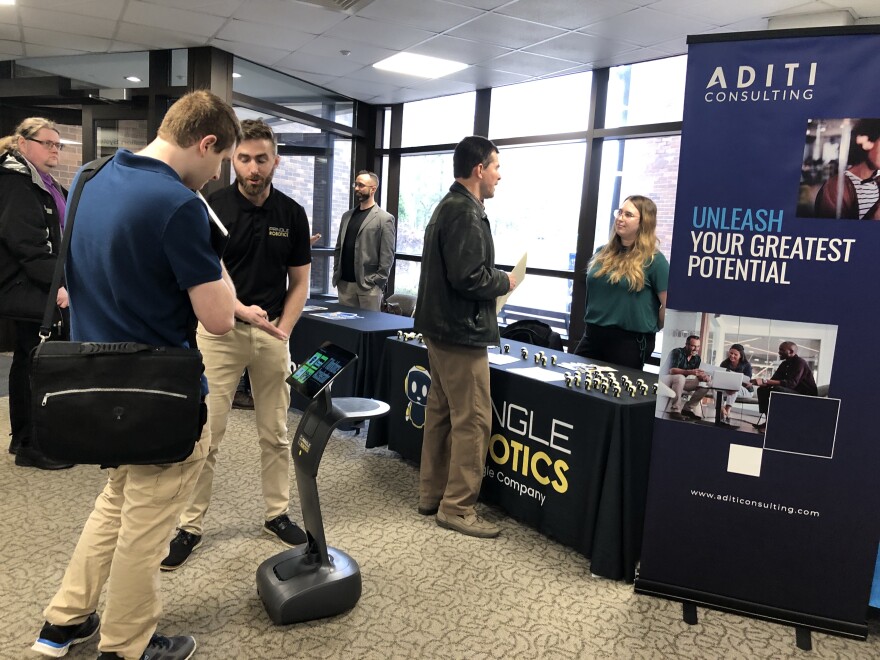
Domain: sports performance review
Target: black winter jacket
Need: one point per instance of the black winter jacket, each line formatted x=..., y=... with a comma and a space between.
x=30, y=235
x=459, y=282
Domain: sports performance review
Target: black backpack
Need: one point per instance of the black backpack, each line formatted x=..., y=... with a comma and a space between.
x=533, y=332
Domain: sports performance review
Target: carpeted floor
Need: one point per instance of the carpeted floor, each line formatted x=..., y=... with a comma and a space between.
x=428, y=592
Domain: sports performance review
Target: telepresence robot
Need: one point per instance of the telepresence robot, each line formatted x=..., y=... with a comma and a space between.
x=314, y=581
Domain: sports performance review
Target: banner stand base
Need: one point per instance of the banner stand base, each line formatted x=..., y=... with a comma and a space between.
x=803, y=638
x=802, y=622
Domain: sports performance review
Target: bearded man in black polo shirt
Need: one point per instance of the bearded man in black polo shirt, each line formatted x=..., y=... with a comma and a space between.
x=268, y=257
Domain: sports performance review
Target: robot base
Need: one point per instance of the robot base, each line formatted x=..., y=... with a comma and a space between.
x=295, y=586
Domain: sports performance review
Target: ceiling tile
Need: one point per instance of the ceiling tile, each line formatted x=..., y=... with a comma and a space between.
x=564, y=13
x=647, y=27
x=156, y=37
x=360, y=89
x=426, y=14
x=504, y=31
x=303, y=17
x=580, y=48
x=376, y=33
x=482, y=77
x=459, y=50
x=724, y=13
x=862, y=8
x=111, y=9
x=76, y=42
x=529, y=64
x=329, y=66
x=638, y=55
x=37, y=50
x=125, y=47
x=382, y=77
x=442, y=87
x=480, y=4
x=178, y=20
x=10, y=32
x=274, y=36
x=12, y=48
x=224, y=8
x=256, y=53
x=358, y=52
x=68, y=23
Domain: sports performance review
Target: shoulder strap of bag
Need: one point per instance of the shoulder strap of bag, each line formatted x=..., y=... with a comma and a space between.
x=88, y=171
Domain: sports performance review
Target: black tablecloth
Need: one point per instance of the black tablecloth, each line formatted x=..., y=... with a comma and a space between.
x=363, y=336
x=571, y=463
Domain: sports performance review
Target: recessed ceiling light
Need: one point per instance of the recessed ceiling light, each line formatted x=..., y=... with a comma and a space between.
x=421, y=66
x=7, y=2
x=236, y=75
x=132, y=79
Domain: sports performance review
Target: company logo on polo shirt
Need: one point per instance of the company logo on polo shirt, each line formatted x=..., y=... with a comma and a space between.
x=283, y=232
x=791, y=81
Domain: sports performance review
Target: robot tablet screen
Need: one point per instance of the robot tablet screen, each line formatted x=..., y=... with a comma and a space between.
x=316, y=373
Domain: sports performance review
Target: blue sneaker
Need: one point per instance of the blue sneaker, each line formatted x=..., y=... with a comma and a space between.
x=55, y=641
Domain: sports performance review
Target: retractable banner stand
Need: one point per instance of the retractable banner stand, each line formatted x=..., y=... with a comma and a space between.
x=773, y=511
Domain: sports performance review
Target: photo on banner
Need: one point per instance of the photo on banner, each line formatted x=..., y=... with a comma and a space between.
x=835, y=146
x=732, y=353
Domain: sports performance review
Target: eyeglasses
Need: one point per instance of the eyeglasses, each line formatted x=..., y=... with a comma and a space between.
x=48, y=144
x=626, y=214
x=358, y=184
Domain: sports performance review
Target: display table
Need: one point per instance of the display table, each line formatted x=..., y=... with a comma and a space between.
x=363, y=336
x=569, y=462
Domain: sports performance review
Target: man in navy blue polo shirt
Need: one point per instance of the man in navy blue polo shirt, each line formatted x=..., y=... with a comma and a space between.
x=268, y=257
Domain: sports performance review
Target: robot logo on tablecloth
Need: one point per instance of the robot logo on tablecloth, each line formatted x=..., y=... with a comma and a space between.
x=417, y=386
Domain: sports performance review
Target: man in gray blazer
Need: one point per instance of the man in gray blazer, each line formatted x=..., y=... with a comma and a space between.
x=364, y=250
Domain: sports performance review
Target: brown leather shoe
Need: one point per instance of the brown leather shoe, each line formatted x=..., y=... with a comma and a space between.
x=471, y=525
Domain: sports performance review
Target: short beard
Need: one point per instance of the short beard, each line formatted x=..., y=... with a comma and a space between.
x=254, y=189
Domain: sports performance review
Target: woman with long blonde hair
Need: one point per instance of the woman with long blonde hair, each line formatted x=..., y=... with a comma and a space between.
x=626, y=289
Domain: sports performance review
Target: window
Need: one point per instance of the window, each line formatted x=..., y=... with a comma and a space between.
x=443, y=120
x=537, y=204
x=543, y=107
x=406, y=276
x=424, y=180
x=641, y=166
x=646, y=93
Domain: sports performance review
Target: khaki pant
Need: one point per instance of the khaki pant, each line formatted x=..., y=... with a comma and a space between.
x=351, y=294
x=268, y=363
x=123, y=541
x=458, y=423
x=679, y=383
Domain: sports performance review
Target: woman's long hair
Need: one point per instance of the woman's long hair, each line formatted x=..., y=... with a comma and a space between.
x=619, y=262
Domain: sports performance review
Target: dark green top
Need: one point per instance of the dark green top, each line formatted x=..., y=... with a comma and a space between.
x=615, y=305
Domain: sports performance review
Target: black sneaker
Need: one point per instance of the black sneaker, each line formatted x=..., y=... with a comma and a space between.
x=243, y=401
x=162, y=648
x=285, y=529
x=180, y=549
x=55, y=641
x=690, y=414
